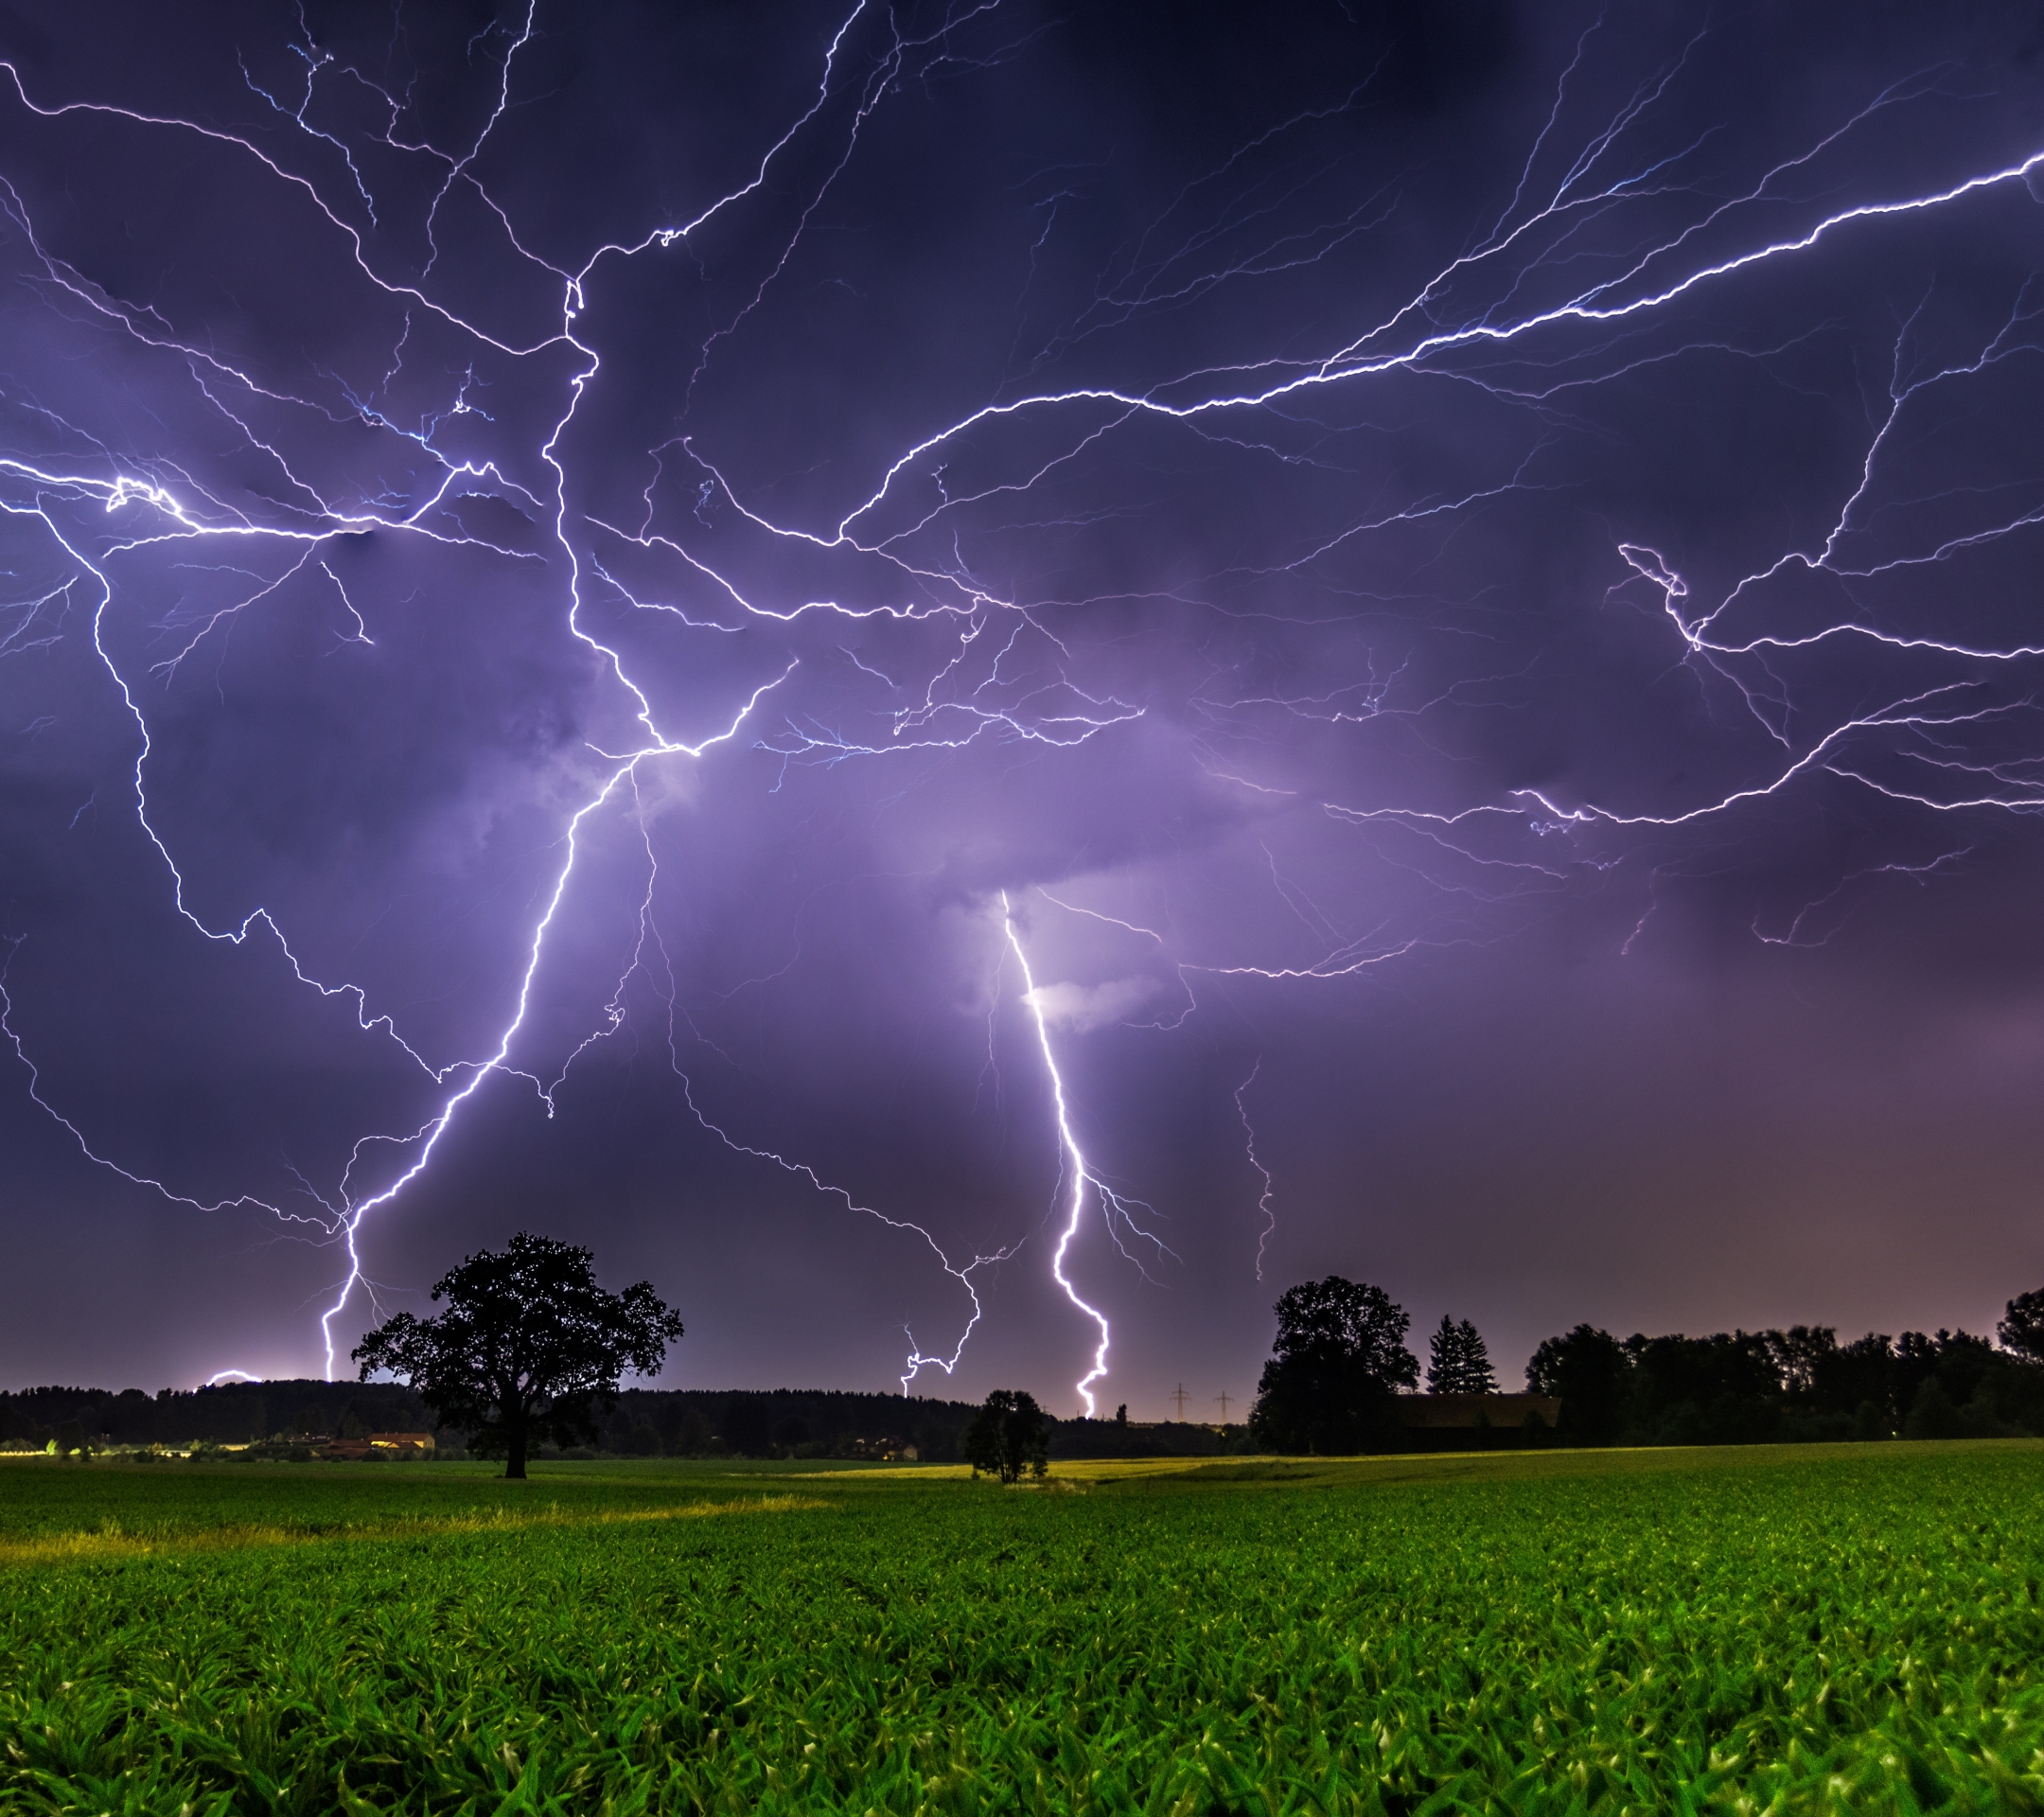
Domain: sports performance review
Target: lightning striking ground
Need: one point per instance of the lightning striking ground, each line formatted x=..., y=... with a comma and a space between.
x=1075, y=1178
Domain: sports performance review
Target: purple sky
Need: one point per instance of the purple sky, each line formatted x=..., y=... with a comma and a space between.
x=1468, y=574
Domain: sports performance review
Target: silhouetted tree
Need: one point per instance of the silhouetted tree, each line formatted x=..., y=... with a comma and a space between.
x=1588, y=1371
x=1459, y=1362
x=1803, y=1357
x=1008, y=1436
x=1860, y=1382
x=529, y=1345
x=2022, y=1330
x=1957, y=1360
x=1339, y=1356
x=1723, y=1389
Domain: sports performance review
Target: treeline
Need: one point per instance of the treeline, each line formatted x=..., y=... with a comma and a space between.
x=1797, y=1385
x=815, y=1422
x=780, y=1422
x=230, y=1413
x=1339, y=1367
x=645, y=1423
x=642, y=1422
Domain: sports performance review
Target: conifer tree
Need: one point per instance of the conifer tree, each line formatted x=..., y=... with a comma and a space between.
x=1459, y=1362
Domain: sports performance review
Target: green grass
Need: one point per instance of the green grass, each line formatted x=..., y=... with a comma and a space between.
x=166, y=1504
x=1850, y=1629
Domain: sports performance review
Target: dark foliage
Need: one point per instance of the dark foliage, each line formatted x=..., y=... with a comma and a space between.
x=790, y=1423
x=644, y=1422
x=2023, y=1330
x=1587, y=1370
x=1167, y=1438
x=1714, y=1390
x=674, y=1422
x=1008, y=1436
x=746, y=1427
x=1458, y=1361
x=1339, y=1357
x=232, y=1413
x=1802, y=1384
x=529, y=1345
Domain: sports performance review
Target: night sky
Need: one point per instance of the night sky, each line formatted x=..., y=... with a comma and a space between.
x=589, y=596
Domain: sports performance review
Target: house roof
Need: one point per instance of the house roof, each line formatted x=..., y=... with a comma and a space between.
x=1498, y=1410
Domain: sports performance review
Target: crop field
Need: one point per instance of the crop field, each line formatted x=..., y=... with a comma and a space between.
x=1848, y=1628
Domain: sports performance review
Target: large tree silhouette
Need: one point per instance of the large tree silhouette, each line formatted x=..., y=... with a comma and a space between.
x=529, y=1345
x=1339, y=1356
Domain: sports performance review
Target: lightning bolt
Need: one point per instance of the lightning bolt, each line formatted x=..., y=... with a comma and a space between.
x=1510, y=317
x=1073, y=1174
x=1264, y=1199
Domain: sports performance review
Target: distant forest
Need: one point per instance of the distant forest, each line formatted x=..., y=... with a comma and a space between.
x=1802, y=1384
x=645, y=1422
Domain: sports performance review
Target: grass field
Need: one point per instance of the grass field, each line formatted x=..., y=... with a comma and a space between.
x=1820, y=1630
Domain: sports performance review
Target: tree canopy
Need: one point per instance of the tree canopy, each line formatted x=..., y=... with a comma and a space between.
x=1586, y=1370
x=1799, y=1385
x=1338, y=1358
x=1008, y=1436
x=529, y=1345
x=2022, y=1330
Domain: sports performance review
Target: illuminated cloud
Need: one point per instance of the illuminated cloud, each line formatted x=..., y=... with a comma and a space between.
x=1081, y=1008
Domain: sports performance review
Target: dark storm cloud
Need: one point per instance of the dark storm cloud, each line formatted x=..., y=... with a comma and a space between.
x=1453, y=650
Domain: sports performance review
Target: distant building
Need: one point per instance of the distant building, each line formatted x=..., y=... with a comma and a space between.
x=378, y=1444
x=414, y=1444
x=885, y=1451
x=1473, y=1422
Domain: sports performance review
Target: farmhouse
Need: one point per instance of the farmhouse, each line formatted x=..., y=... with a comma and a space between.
x=1458, y=1421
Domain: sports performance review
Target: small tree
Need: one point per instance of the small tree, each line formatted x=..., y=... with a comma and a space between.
x=2022, y=1330
x=1459, y=1362
x=1339, y=1356
x=529, y=1345
x=1008, y=1436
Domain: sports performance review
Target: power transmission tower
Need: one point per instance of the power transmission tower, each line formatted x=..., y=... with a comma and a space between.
x=1178, y=1394
x=1224, y=1397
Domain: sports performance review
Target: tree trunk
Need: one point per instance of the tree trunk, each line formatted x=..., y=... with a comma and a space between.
x=514, y=1443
